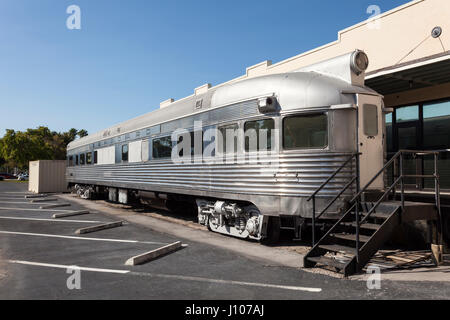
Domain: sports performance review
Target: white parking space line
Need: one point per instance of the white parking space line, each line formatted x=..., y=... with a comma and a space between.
x=40, y=210
x=78, y=238
x=232, y=282
x=49, y=220
x=177, y=277
x=17, y=192
x=26, y=202
x=12, y=197
x=60, y=266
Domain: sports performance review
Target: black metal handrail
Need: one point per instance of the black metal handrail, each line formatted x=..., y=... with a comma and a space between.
x=354, y=203
x=399, y=180
x=331, y=177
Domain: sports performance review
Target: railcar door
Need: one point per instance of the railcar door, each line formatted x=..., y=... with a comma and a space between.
x=370, y=140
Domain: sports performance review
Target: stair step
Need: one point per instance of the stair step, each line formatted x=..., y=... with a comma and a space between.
x=338, y=248
x=378, y=215
x=369, y=226
x=328, y=262
x=362, y=238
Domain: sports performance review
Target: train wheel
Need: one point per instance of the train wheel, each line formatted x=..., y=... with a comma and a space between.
x=273, y=231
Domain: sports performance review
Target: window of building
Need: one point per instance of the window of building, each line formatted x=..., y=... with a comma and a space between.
x=125, y=153
x=370, y=120
x=408, y=113
x=228, y=139
x=89, y=158
x=95, y=157
x=162, y=147
x=389, y=141
x=258, y=135
x=436, y=125
x=82, y=159
x=305, y=131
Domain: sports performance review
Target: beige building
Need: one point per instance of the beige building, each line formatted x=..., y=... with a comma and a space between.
x=409, y=53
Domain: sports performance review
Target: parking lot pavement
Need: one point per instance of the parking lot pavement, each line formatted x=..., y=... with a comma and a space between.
x=37, y=255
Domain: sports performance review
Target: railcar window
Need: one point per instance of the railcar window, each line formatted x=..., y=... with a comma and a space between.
x=70, y=161
x=162, y=147
x=227, y=146
x=255, y=130
x=370, y=120
x=209, y=141
x=89, y=158
x=125, y=153
x=76, y=160
x=305, y=132
x=95, y=157
x=193, y=152
x=82, y=159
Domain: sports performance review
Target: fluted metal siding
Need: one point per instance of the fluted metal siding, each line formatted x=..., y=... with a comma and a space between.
x=298, y=174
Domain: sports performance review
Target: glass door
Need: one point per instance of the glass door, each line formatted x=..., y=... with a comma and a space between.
x=407, y=136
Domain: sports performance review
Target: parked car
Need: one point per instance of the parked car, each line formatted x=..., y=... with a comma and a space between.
x=1, y=178
x=23, y=177
x=7, y=175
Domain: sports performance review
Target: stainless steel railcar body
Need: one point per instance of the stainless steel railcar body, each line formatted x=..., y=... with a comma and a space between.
x=278, y=182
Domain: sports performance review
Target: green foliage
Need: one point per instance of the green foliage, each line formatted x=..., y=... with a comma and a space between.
x=17, y=148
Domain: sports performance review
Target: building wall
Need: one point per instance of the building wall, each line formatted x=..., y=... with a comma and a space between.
x=400, y=31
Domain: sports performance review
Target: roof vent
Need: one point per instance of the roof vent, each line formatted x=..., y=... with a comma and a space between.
x=202, y=89
x=166, y=103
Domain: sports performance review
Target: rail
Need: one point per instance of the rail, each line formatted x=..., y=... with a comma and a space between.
x=356, y=200
x=331, y=177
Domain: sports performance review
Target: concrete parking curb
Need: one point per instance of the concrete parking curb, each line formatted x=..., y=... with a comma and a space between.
x=43, y=200
x=70, y=214
x=35, y=196
x=100, y=227
x=154, y=254
x=50, y=206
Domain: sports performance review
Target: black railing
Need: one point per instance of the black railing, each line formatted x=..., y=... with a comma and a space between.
x=354, y=203
x=313, y=196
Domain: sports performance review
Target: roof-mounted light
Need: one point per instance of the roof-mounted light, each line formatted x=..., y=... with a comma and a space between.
x=267, y=104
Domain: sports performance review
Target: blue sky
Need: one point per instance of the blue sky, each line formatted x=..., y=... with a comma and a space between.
x=131, y=55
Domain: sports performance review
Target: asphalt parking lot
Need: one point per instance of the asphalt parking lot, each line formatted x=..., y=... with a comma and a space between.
x=37, y=252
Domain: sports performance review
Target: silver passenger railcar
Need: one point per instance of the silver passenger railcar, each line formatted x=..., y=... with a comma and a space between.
x=314, y=119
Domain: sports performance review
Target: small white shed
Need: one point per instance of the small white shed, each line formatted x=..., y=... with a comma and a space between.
x=47, y=176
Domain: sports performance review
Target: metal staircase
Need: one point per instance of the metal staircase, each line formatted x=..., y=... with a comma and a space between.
x=351, y=242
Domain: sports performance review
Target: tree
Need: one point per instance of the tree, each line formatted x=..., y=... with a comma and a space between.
x=82, y=133
x=18, y=148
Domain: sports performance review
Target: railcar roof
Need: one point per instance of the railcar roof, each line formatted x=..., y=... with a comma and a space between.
x=295, y=90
